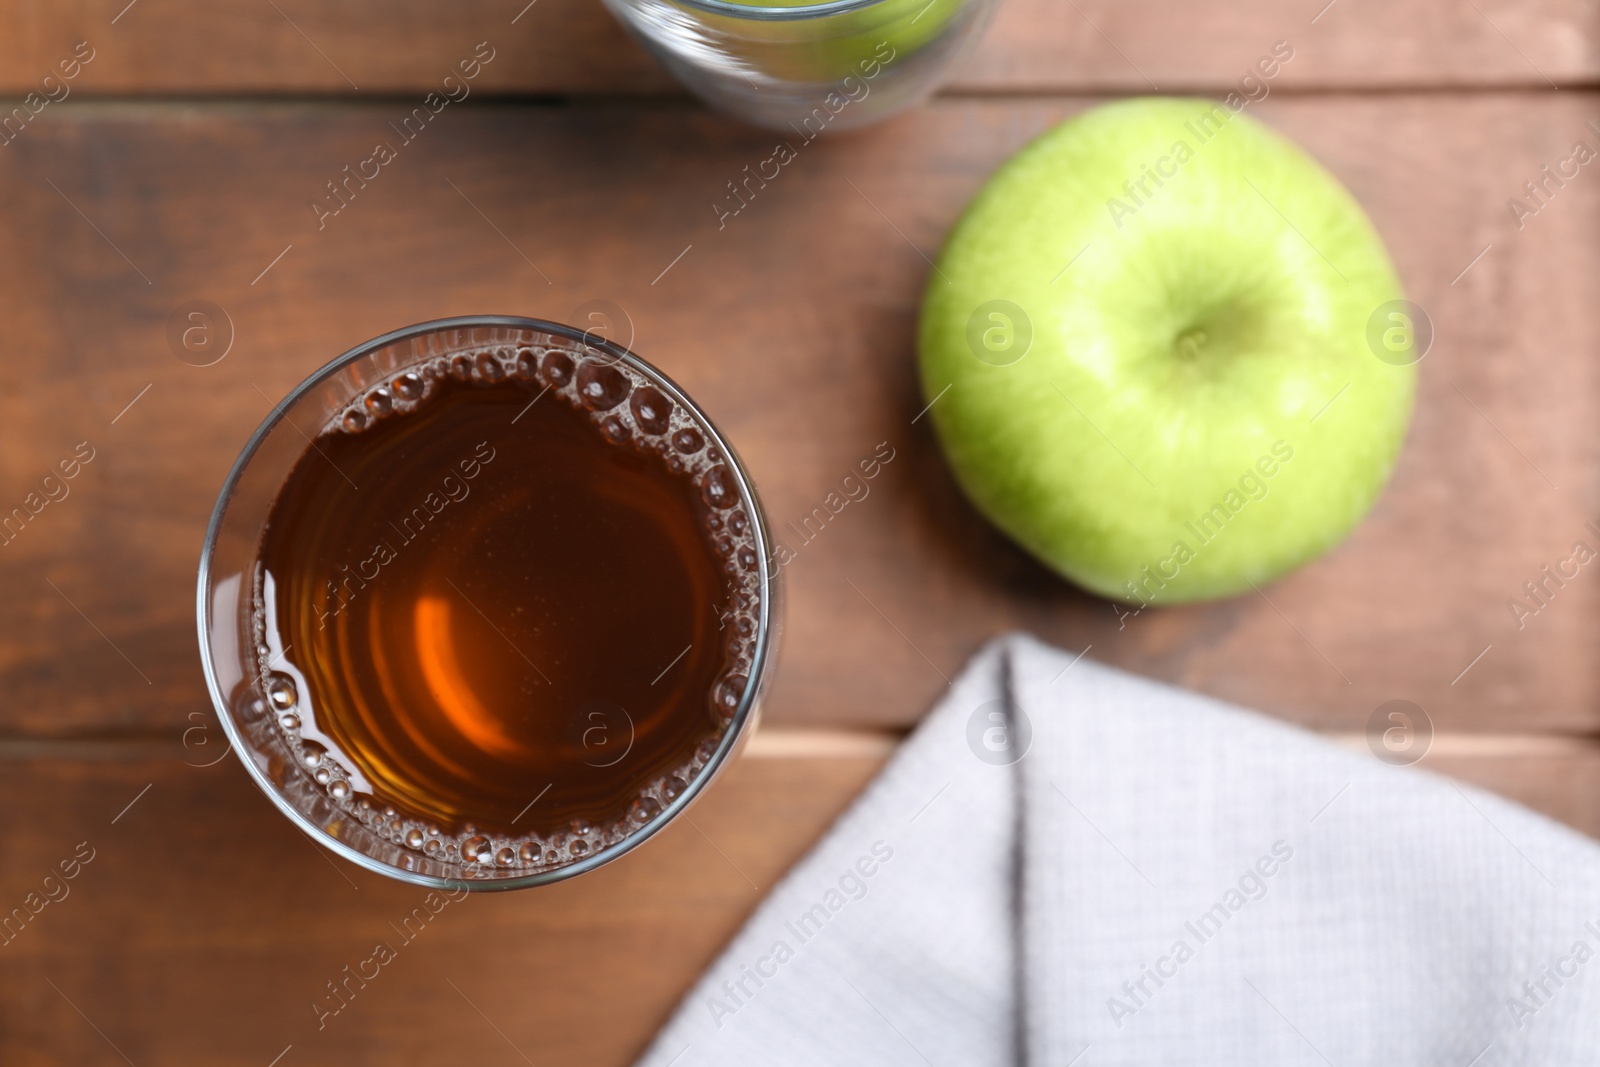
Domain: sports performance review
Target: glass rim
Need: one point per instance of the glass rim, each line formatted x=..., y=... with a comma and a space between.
x=761, y=13
x=732, y=737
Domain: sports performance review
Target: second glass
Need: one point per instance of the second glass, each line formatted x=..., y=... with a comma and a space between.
x=807, y=68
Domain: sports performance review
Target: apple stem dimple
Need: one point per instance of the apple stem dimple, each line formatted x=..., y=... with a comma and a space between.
x=1189, y=343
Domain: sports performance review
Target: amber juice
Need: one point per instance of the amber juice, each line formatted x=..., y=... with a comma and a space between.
x=506, y=606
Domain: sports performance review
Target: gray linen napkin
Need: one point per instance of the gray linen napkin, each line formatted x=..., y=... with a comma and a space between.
x=1160, y=879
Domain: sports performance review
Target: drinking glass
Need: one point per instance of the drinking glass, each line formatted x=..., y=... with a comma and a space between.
x=807, y=67
x=230, y=562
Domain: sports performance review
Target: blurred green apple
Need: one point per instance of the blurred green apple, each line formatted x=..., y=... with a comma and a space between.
x=1167, y=353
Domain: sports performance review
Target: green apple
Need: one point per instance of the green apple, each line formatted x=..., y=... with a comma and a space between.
x=1167, y=353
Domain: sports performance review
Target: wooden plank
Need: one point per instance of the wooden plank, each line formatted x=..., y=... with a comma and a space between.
x=296, y=47
x=1564, y=786
x=1136, y=48
x=205, y=925
x=573, y=46
x=793, y=325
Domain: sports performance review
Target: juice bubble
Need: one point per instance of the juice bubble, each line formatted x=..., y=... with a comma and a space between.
x=489, y=368
x=601, y=387
x=408, y=386
x=725, y=697
x=558, y=368
x=718, y=487
x=651, y=409
x=644, y=809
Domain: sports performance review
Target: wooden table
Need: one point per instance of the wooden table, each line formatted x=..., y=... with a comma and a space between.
x=181, y=167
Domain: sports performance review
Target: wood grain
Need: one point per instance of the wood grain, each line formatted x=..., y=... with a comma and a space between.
x=202, y=904
x=204, y=926
x=166, y=47
x=1100, y=45
x=792, y=324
